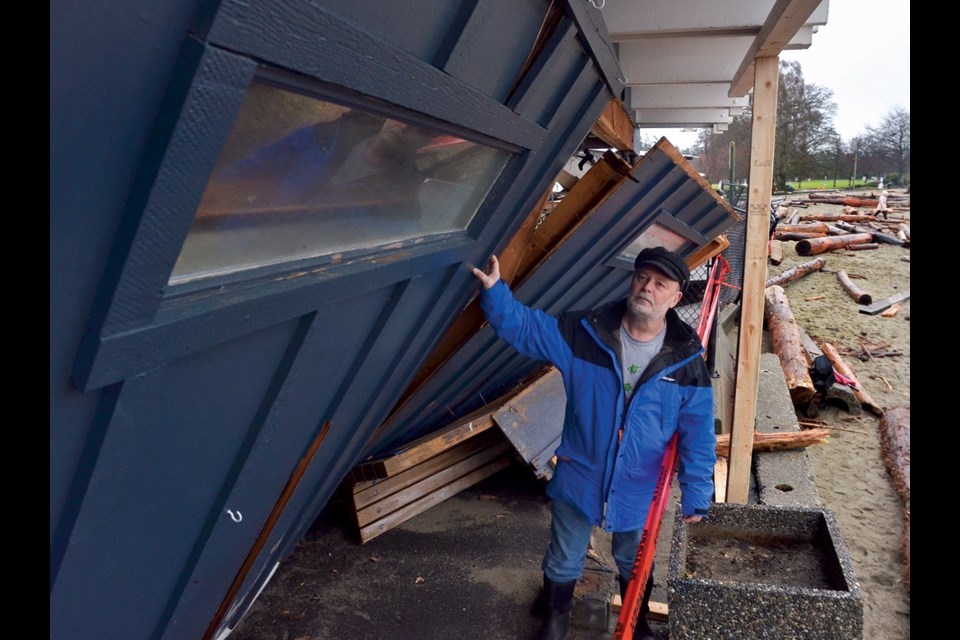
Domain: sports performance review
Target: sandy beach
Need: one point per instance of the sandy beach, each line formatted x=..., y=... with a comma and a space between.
x=849, y=472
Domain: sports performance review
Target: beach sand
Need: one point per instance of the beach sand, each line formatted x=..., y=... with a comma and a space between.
x=850, y=475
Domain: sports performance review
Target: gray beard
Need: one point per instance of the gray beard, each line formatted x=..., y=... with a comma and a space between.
x=637, y=311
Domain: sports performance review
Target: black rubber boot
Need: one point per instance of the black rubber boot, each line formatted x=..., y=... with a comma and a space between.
x=557, y=603
x=643, y=631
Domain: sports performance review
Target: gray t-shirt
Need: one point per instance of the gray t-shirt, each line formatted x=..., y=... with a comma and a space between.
x=636, y=355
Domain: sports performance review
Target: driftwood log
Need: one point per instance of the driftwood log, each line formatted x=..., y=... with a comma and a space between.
x=865, y=400
x=849, y=201
x=905, y=230
x=796, y=272
x=877, y=235
x=866, y=246
x=767, y=441
x=895, y=448
x=794, y=235
x=814, y=246
x=905, y=547
x=853, y=290
x=895, y=452
x=810, y=227
x=776, y=252
x=786, y=343
x=839, y=217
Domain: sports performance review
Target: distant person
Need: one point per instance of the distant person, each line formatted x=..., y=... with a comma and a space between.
x=882, y=206
x=634, y=375
x=880, y=185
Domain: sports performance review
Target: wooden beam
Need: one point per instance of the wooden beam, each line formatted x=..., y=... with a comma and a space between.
x=707, y=251
x=615, y=126
x=754, y=277
x=782, y=23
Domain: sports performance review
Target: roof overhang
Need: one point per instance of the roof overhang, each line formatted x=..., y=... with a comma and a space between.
x=689, y=63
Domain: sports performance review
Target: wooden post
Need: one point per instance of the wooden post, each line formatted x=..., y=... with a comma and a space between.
x=766, y=77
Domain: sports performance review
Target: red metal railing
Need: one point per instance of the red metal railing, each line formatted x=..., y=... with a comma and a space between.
x=630, y=608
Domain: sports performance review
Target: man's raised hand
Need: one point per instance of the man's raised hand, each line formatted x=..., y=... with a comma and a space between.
x=490, y=275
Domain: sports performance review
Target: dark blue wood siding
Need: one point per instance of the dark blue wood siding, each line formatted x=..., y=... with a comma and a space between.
x=178, y=418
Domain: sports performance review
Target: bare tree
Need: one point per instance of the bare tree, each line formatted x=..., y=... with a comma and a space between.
x=806, y=142
x=890, y=142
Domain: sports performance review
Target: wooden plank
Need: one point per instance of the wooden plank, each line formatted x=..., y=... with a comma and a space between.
x=880, y=305
x=591, y=190
x=427, y=485
x=754, y=276
x=720, y=470
x=415, y=508
x=370, y=491
x=707, y=251
x=427, y=446
x=659, y=611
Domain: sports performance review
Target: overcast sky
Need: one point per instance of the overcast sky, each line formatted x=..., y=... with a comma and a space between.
x=862, y=54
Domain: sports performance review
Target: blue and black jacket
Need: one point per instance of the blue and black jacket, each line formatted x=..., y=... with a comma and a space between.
x=610, y=451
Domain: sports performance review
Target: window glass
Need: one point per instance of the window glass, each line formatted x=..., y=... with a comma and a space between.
x=656, y=235
x=301, y=177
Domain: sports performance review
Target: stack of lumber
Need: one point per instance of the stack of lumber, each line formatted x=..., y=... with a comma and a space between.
x=390, y=490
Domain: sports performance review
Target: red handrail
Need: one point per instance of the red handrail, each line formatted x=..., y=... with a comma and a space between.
x=630, y=607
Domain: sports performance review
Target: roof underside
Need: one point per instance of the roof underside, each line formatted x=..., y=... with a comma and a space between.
x=704, y=52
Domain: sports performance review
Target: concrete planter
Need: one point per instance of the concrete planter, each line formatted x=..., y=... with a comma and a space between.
x=760, y=571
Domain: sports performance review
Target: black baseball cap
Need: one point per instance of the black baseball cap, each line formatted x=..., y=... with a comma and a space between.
x=670, y=263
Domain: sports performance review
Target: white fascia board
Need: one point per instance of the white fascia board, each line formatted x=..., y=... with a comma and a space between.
x=633, y=19
x=683, y=60
x=803, y=39
x=673, y=96
x=681, y=117
x=720, y=127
